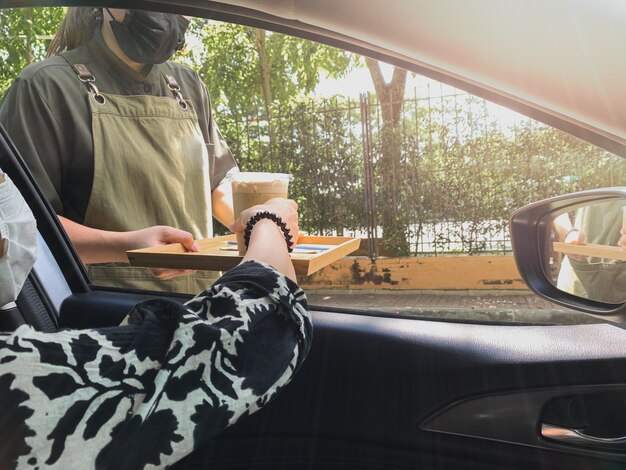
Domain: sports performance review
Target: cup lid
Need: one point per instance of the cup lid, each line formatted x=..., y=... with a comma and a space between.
x=258, y=176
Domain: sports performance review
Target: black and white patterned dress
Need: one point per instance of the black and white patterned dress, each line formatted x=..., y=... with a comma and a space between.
x=145, y=394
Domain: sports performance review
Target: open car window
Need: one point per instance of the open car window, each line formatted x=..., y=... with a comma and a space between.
x=424, y=174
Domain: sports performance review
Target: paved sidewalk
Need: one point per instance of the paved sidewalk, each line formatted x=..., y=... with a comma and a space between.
x=505, y=306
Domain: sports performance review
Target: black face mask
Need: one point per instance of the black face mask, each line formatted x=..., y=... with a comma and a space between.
x=149, y=37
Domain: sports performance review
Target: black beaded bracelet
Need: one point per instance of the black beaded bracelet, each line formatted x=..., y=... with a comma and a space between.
x=267, y=215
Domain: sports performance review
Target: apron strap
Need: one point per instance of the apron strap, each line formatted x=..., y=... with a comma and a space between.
x=85, y=76
x=174, y=87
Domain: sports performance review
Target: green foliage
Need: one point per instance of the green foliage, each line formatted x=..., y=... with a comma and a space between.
x=447, y=177
x=25, y=34
x=320, y=144
x=228, y=62
x=232, y=84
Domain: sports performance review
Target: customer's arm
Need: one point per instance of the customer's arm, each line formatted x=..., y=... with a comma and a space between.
x=157, y=388
x=267, y=243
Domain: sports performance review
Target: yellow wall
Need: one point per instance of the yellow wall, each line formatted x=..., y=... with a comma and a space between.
x=445, y=272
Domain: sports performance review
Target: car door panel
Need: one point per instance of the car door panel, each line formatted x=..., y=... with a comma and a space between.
x=376, y=383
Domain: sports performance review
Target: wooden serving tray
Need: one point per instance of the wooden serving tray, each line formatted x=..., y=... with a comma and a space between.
x=220, y=253
x=597, y=251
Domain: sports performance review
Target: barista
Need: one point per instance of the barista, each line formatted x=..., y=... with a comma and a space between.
x=123, y=143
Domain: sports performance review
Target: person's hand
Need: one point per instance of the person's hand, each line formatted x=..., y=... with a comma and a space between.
x=622, y=241
x=286, y=209
x=162, y=235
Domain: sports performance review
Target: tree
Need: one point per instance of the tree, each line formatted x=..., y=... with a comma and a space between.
x=25, y=34
x=265, y=73
x=247, y=69
x=391, y=98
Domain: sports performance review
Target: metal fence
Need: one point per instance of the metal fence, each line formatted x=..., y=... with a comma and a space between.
x=461, y=166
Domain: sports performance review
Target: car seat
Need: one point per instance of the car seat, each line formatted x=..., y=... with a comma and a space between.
x=39, y=303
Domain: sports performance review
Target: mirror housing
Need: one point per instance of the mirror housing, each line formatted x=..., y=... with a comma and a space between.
x=531, y=236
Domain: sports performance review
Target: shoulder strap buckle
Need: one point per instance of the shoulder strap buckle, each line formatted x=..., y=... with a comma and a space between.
x=85, y=76
x=174, y=87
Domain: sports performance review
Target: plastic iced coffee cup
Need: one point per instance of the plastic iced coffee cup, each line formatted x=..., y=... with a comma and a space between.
x=251, y=188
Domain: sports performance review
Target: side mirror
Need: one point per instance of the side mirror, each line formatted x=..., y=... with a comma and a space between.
x=572, y=250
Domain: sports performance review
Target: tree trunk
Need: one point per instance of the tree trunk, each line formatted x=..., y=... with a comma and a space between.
x=28, y=14
x=393, y=211
x=265, y=70
x=390, y=95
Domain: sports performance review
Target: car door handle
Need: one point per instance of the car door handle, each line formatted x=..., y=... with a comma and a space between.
x=576, y=436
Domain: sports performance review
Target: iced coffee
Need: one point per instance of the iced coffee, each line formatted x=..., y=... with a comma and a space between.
x=250, y=189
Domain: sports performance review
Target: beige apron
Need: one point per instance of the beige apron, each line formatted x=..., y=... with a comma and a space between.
x=151, y=167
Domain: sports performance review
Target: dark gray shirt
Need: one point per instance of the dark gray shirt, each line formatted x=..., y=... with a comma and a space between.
x=46, y=114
